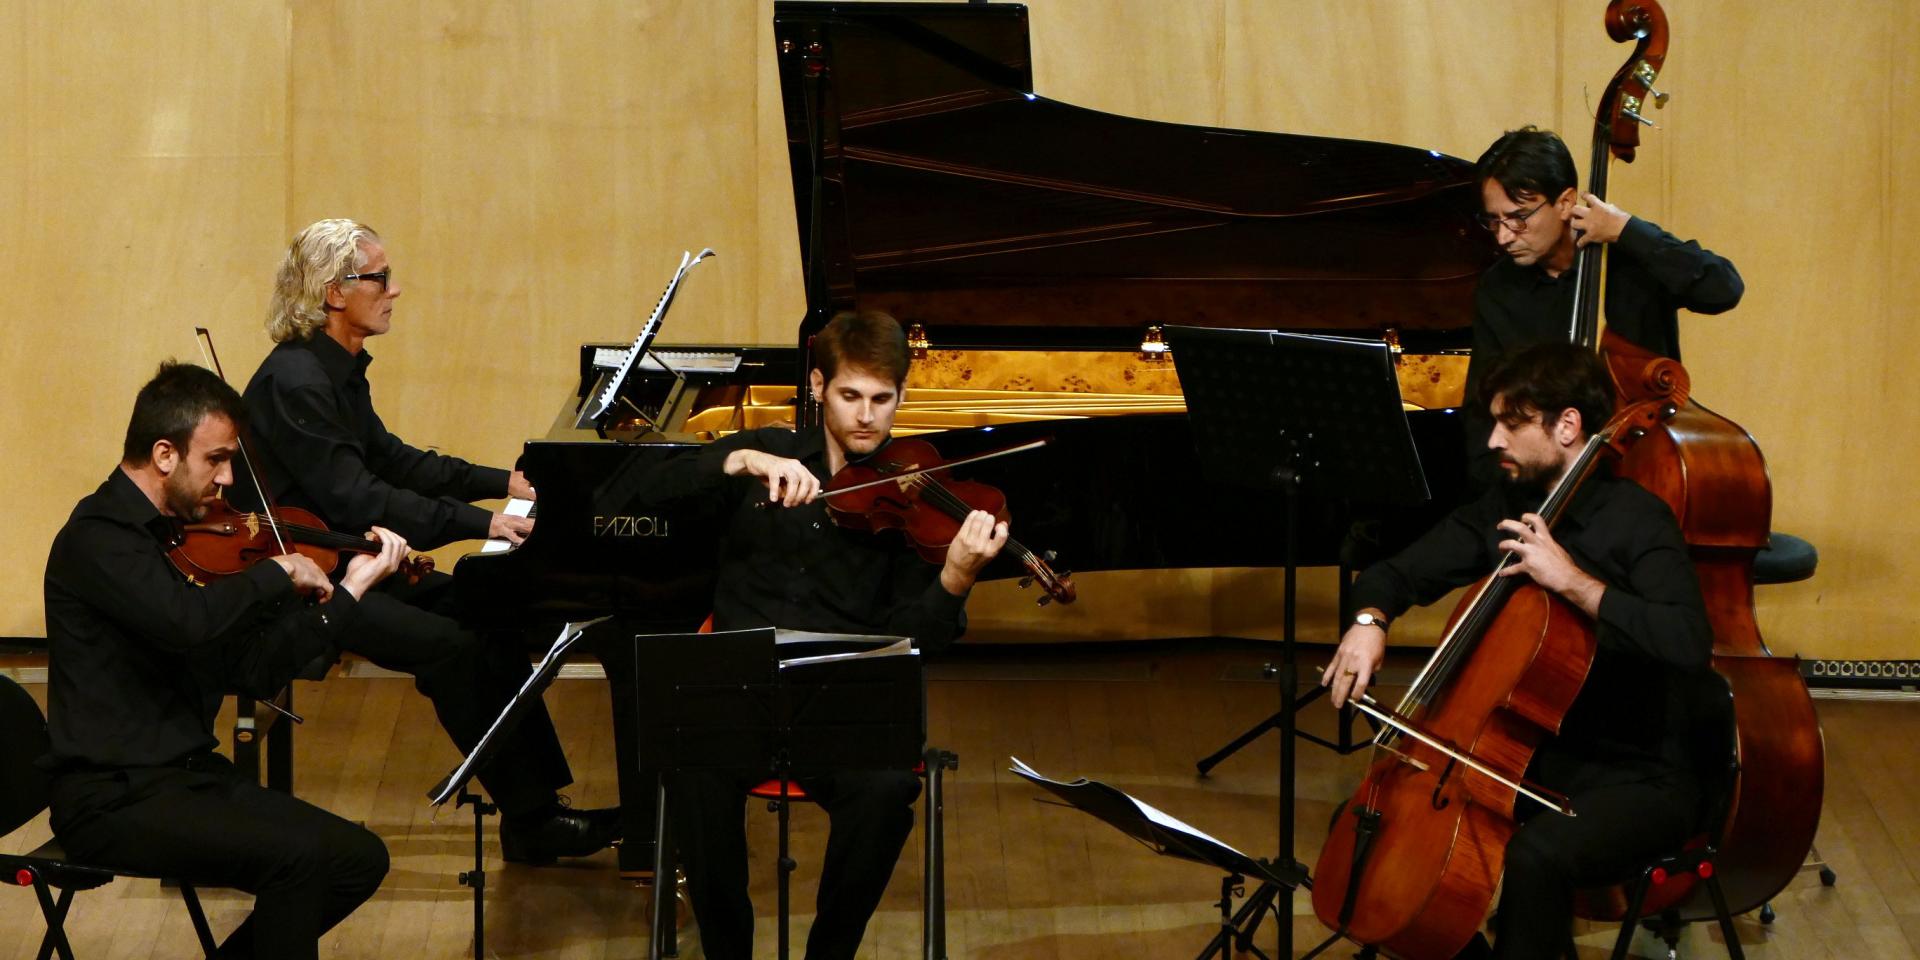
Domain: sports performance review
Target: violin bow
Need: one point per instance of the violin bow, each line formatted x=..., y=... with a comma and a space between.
x=240, y=431
x=897, y=477
x=266, y=505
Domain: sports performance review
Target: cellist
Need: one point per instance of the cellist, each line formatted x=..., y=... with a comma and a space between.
x=1617, y=555
x=1540, y=221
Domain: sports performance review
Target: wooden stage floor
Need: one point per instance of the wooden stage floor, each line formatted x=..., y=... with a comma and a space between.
x=1027, y=881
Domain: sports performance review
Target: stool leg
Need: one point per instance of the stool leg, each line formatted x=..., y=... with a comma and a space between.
x=55, y=913
x=785, y=866
x=199, y=918
x=1727, y=932
x=1637, y=896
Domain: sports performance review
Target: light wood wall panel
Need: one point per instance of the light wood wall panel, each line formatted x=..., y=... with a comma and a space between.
x=537, y=168
x=142, y=171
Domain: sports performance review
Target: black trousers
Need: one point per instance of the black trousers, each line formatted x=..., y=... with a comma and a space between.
x=469, y=677
x=1627, y=819
x=306, y=868
x=870, y=814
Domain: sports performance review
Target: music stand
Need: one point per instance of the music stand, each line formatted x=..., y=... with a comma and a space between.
x=736, y=700
x=1296, y=413
x=454, y=784
x=1170, y=837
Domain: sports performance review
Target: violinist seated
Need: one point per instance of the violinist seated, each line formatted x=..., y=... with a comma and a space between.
x=140, y=658
x=1617, y=555
x=1541, y=222
x=318, y=445
x=784, y=563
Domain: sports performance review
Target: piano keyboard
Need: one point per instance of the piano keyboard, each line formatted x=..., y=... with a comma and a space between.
x=516, y=507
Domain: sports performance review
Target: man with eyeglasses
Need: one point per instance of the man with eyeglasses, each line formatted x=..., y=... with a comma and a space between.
x=320, y=446
x=1540, y=220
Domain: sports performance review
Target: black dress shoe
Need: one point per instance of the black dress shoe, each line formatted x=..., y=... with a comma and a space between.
x=544, y=838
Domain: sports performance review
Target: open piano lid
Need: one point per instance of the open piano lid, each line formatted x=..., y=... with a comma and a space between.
x=950, y=194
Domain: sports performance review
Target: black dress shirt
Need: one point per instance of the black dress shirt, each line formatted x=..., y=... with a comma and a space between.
x=324, y=449
x=139, y=658
x=794, y=568
x=1651, y=275
x=1652, y=630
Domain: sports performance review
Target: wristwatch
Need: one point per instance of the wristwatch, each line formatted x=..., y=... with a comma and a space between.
x=1369, y=620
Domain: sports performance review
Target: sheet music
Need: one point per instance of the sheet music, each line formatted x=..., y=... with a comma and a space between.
x=899, y=648
x=1151, y=812
x=785, y=636
x=515, y=507
x=598, y=404
x=682, y=361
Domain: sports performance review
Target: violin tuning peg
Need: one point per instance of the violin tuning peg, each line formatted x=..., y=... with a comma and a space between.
x=1026, y=582
x=1045, y=599
x=1050, y=555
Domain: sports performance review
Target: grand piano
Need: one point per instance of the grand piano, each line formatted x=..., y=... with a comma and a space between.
x=1034, y=249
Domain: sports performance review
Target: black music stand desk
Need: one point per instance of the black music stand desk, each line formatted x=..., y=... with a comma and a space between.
x=790, y=704
x=1171, y=837
x=1296, y=414
x=454, y=784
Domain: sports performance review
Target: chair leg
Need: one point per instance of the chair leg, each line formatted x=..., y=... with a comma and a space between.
x=1636, y=896
x=199, y=918
x=55, y=913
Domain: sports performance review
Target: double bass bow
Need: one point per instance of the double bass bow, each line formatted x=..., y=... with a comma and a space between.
x=1711, y=473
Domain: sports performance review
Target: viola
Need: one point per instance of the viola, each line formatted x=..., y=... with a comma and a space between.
x=227, y=541
x=896, y=488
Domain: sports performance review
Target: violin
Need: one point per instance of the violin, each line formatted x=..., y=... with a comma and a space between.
x=895, y=488
x=227, y=541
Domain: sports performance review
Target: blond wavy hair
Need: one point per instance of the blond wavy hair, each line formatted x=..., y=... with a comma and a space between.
x=319, y=255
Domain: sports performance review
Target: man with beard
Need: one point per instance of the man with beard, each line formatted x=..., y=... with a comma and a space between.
x=1527, y=191
x=140, y=656
x=785, y=564
x=1621, y=756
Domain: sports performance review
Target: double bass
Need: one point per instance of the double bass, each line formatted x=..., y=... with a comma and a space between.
x=1711, y=473
x=1401, y=873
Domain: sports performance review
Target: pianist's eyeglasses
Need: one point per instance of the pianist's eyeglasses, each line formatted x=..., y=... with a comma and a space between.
x=1515, y=221
x=379, y=277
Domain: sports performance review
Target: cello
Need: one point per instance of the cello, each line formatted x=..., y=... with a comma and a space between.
x=1412, y=861
x=1711, y=473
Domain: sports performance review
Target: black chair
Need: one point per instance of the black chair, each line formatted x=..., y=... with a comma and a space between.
x=23, y=795
x=1716, y=752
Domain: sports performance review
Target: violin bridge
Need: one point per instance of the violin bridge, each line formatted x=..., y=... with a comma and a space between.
x=253, y=525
